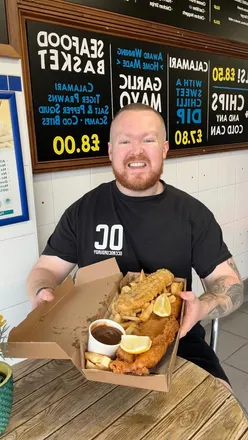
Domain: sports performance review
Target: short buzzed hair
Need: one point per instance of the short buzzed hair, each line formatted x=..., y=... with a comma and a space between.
x=139, y=107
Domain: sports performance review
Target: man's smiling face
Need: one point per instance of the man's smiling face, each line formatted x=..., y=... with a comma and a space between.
x=137, y=149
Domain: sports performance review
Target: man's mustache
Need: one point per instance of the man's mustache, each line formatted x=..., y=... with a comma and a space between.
x=137, y=158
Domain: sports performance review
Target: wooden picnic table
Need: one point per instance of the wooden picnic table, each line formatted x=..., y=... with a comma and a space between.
x=52, y=400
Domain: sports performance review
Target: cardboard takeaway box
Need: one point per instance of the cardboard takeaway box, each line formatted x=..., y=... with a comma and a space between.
x=59, y=329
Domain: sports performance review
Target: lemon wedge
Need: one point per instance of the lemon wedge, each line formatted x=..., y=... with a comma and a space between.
x=135, y=344
x=162, y=306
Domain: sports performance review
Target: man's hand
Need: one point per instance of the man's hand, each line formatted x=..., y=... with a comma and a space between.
x=48, y=271
x=43, y=295
x=193, y=312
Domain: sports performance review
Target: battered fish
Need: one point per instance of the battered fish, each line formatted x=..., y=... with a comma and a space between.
x=143, y=292
x=149, y=359
x=162, y=332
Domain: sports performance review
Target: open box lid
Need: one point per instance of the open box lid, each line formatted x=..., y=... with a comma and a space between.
x=56, y=329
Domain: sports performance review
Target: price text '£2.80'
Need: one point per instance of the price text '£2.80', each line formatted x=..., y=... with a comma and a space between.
x=68, y=145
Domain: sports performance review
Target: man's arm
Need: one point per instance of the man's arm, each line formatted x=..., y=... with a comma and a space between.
x=224, y=295
x=224, y=290
x=48, y=272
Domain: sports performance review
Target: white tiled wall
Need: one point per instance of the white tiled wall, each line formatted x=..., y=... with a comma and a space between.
x=220, y=181
x=18, y=242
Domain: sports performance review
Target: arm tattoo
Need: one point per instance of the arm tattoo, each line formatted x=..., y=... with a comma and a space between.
x=233, y=266
x=227, y=294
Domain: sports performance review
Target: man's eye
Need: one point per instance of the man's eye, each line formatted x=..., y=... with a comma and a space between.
x=149, y=140
x=124, y=142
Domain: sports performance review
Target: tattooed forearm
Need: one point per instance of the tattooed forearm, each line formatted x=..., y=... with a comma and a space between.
x=233, y=266
x=227, y=301
x=224, y=295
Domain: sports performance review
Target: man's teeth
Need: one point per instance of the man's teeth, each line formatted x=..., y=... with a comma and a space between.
x=137, y=164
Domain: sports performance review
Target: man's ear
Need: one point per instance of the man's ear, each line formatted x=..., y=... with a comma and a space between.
x=165, y=149
x=110, y=151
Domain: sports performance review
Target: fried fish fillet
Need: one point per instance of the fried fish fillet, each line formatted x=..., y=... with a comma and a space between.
x=124, y=356
x=143, y=292
x=160, y=342
x=162, y=332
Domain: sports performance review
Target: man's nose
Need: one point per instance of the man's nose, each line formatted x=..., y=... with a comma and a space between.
x=137, y=145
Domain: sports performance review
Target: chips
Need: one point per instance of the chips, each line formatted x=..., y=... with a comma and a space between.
x=97, y=361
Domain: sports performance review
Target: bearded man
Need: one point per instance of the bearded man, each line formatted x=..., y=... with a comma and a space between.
x=145, y=224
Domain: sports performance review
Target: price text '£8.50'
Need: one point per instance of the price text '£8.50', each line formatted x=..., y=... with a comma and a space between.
x=68, y=145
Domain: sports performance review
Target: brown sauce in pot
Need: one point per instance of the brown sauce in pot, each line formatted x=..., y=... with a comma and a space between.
x=107, y=335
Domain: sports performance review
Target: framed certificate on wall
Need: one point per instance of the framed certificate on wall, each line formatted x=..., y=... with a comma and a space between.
x=13, y=197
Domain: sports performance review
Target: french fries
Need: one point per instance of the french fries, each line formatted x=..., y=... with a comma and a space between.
x=145, y=315
x=131, y=328
x=126, y=324
x=131, y=318
x=176, y=288
x=126, y=289
x=97, y=361
x=142, y=276
x=172, y=299
x=91, y=366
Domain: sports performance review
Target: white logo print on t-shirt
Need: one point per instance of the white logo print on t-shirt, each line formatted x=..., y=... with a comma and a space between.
x=110, y=240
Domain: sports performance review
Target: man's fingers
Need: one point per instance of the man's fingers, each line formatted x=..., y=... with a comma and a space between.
x=45, y=295
x=182, y=333
x=188, y=296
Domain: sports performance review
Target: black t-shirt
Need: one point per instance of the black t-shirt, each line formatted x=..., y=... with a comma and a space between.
x=170, y=230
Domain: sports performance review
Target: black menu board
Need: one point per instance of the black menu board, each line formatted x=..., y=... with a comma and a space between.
x=188, y=97
x=224, y=18
x=80, y=79
x=72, y=108
x=208, y=97
x=139, y=72
x=228, y=110
x=3, y=24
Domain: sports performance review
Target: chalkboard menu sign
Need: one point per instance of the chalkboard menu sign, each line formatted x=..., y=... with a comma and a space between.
x=3, y=24
x=224, y=18
x=80, y=79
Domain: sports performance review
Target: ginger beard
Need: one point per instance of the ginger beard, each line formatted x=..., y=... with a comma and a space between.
x=138, y=178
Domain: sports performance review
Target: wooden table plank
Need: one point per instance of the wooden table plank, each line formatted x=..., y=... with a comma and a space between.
x=244, y=436
x=100, y=415
x=228, y=423
x=67, y=406
x=60, y=412
x=146, y=414
x=192, y=413
x=40, y=377
x=44, y=397
x=106, y=411
x=26, y=367
x=30, y=376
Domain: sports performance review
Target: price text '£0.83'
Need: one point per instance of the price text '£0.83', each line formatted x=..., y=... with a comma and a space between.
x=188, y=137
x=68, y=145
